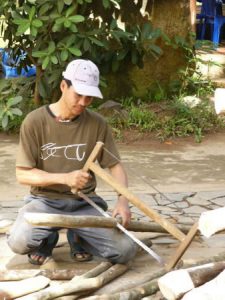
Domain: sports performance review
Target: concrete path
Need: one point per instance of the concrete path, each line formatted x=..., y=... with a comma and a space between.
x=179, y=179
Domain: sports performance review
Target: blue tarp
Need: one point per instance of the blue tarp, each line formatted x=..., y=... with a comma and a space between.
x=9, y=65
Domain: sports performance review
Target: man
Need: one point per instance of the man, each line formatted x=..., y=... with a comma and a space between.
x=55, y=142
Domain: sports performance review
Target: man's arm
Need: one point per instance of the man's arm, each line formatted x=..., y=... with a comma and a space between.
x=36, y=177
x=122, y=207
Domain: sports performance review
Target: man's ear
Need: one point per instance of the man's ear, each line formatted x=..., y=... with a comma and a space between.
x=63, y=85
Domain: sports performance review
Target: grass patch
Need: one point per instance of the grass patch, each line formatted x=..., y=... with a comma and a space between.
x=168, y=120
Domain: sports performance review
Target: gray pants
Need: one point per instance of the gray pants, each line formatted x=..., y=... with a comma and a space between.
x=110, y=244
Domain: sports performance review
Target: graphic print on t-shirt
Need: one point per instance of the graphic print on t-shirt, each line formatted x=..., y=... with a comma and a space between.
x=73, y=152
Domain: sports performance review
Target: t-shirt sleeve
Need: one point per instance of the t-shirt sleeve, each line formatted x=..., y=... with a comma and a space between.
x=109, y=155
x=27, y=155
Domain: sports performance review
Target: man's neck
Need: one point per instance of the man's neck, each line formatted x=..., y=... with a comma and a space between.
x=60, y=112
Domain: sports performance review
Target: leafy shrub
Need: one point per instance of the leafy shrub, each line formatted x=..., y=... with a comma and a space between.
x=15, y=102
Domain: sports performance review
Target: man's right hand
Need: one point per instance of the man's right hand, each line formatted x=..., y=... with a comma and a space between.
x=77, y=179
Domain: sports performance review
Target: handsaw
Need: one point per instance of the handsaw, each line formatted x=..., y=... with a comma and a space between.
x=90, y=160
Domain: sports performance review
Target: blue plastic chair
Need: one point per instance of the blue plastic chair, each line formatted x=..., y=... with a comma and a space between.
x=213, y=16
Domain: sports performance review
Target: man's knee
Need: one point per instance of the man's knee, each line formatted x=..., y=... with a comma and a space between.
x=126, y=250
x=18, y=245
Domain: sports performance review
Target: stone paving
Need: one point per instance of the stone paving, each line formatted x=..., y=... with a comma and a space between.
x=179, y=181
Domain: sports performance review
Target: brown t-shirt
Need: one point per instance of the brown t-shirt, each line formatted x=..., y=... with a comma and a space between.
x=61, y=147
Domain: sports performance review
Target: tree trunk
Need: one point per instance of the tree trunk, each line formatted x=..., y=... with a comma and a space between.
x=37, y=98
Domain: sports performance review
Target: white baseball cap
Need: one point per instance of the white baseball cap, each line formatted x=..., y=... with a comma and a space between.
x=84, y=76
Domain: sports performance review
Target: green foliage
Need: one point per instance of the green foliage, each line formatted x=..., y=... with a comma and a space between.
x=142, y=118
x=168, y=120
x=54, y=32
x=186, y=121
x=8, y=111
x=15, y=95
x=190, y=80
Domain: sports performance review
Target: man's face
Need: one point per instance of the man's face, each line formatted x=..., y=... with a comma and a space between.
x=75, y=103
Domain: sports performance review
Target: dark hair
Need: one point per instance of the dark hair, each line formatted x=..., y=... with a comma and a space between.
x=68, y=82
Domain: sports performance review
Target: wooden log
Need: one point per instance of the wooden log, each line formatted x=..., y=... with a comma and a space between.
x=220, y=257
x=214, y=289
x=14, y=275
x=175, y=284
x=212, y=221
x=11, y=290
x=79, y=284
x=43, y=219
x=5, y=225
x=172, y=229
x=136, y=293
x=182, y=248
x=63, y=274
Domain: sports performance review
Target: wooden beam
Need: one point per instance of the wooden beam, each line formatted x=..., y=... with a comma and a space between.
x=182, y=248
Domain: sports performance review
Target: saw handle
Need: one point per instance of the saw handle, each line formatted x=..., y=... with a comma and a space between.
x=91, y=159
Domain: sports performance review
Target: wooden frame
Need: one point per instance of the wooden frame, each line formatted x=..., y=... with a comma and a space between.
x=169, y=227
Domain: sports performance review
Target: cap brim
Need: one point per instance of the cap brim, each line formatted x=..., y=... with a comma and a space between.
x=87, y=90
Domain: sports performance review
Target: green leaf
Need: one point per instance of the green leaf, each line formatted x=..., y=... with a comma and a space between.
x=51, y=47
x=57, y=28
x=32, y=13
x=54, y=59
x=86, y=45
x=33, y=31
x=60, y=6
x=3, y=84
x=44, y=8
x=146, y=30
x=45, y=62
x=96, y=41
x=71, y=10
x=64, y=55
x=60, y=20
x=23, y=28
x=122, y=54
x=16, y=111
x=113, y=24
x=155, y=48
x=37, y=23
x=67, y=23
x=75, y=51
x=5, y=121
x=68, y=2
x=31, y=1
x=73, y=28
x=76, y=19
x=14, y=101
x=39, y=53
x=20, y=21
